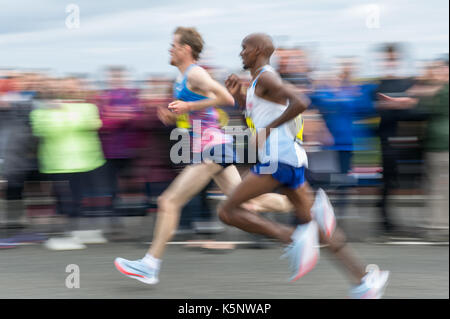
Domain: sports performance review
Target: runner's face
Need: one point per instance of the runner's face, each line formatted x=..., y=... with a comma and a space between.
x=247, y=54
x=176, y=50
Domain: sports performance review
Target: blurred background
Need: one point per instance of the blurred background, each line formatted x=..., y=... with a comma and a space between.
x=83, y=155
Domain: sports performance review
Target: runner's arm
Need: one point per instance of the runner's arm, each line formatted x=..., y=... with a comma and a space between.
x=200, y=79
x=274, y=87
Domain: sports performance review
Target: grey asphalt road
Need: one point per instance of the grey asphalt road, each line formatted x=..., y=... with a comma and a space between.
x=417, y=271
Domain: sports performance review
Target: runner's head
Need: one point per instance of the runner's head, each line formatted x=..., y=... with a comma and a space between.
x=187, y=44
x=256, y=47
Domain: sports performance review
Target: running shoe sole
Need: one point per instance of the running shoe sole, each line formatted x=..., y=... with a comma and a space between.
x=327, y=220
x=385, y=279
x=311, y=248
x=146, y=280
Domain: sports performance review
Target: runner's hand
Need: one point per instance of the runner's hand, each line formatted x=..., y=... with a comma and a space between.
x=179, y=107
x=165, y=116
x=233, y=84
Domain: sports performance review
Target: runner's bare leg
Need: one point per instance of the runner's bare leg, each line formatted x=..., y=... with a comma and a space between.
x=229, y=178
x=185, y=186
x=232, y=213
x=302, y=199
x=337, y=244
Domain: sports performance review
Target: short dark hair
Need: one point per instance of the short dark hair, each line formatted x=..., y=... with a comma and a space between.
x=192, y=38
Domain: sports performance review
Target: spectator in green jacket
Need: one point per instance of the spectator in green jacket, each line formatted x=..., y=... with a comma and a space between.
x=69, y=150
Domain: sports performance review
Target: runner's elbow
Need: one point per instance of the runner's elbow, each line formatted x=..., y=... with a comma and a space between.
x=300, y=107
x=229, y=100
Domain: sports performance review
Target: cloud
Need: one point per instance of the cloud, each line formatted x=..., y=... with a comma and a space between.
x=137, y=33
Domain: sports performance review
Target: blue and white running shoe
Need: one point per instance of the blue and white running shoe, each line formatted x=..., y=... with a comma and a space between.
x=323, y=213
x=372, y=285
x=137, y=269
x=303, y=252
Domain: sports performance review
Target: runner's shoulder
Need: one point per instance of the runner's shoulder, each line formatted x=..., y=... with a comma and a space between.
x=197, y=73
x=268, y=80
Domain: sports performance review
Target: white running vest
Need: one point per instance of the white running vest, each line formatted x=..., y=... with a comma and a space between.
x=281, y=146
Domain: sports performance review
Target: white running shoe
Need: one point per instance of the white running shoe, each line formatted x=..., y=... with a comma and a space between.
x=303, y=252
x=137, y=269
x=322, y=211
x=372, y=285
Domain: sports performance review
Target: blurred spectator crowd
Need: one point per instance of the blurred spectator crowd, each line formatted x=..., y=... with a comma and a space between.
x=73, y=150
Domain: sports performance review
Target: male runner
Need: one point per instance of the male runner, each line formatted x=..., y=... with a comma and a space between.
x=196, y=93
x=272, y=107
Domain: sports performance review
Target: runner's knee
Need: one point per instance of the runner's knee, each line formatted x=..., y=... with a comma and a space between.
x=225, y=214
x=166, y=203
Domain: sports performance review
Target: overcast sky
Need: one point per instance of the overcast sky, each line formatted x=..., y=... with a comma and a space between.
x=137, y=33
